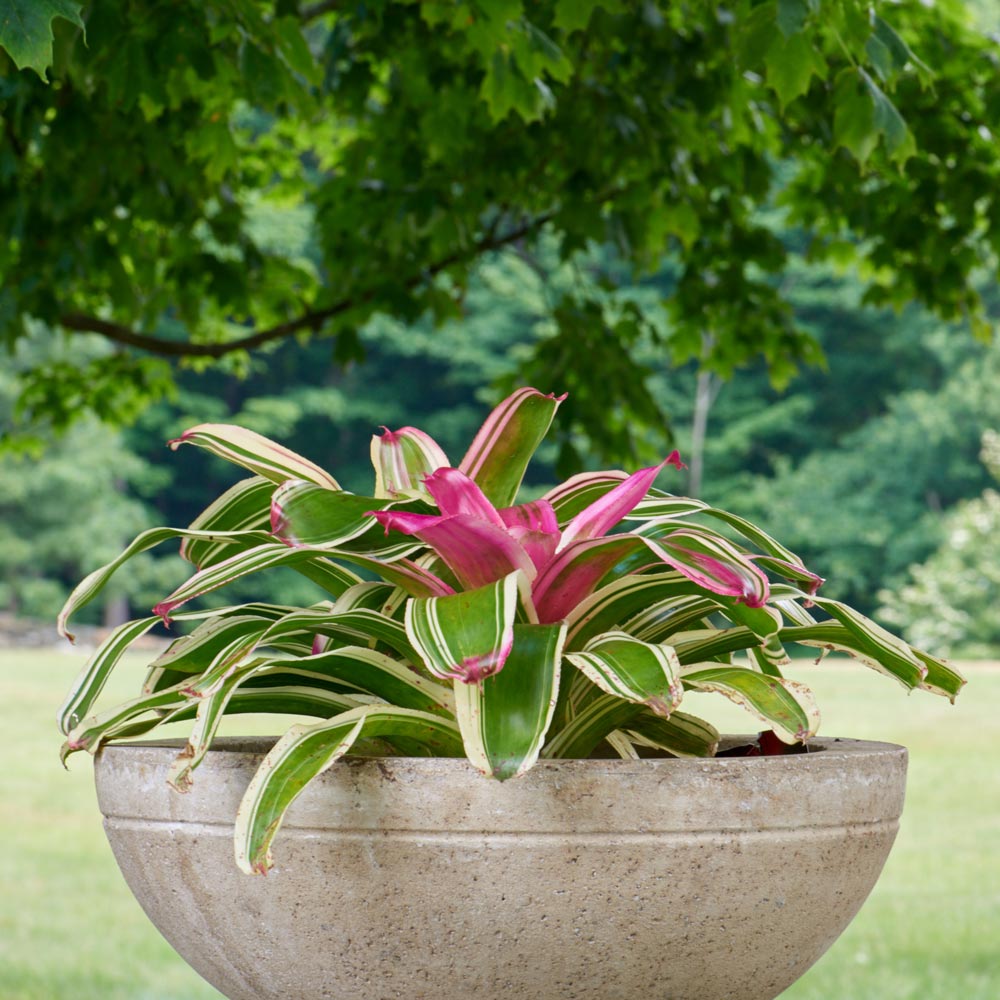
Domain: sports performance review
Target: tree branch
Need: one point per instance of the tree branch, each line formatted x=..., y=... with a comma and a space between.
x=312, y=320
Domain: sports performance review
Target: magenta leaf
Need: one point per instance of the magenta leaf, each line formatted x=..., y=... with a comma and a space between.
x=597, y=519
x=716, y=565
x=476, y=551
x=455, y=493
x=534, y=527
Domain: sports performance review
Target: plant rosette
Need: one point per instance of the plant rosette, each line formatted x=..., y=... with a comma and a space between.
x=569, y=626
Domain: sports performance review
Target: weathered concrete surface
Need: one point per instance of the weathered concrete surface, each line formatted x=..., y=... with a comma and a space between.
x=720, y=879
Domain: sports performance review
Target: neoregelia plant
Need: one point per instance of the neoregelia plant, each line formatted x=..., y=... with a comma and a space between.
x=499, y=631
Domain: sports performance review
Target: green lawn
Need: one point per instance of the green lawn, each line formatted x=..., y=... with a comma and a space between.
x=70, y=929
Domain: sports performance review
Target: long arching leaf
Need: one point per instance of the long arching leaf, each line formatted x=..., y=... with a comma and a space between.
x=243, y=507
x=255, y=452
x=305, y=752
x=786, y=706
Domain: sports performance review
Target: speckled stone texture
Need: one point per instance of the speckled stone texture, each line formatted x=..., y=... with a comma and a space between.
x=719, y=879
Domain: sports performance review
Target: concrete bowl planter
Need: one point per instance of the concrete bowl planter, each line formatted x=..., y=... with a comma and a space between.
x=717, y=879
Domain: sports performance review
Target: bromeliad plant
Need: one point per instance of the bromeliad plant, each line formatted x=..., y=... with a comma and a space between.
x=505, y=632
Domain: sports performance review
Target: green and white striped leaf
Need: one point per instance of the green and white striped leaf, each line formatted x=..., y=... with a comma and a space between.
x=696, y=645
x=255, y=452
x=863, y=639
x=92, y=678
x=503, y=446
x=754, y=535
x=942, y=678
x=786, y=706
x=304, y=514
x=351, y=627
x=504, y=718
x=617, y=602
x=243, y=507
x=578, y=492
x=305, y=752
x=641, y=672
x=94, y=730
x=213, y=640
x=402, y=459
x=663, y=620
x=368, y=671
x=94, y=582
x=594, y=723
x=465, y=636
x=267, y=556
x=682, y=734
x=212, y=709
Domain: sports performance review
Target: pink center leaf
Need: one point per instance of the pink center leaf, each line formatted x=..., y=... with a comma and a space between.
x=602, y=515
x=476, y=551
x=455, y=493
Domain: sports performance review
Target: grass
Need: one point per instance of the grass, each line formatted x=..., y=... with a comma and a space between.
x=70, y=928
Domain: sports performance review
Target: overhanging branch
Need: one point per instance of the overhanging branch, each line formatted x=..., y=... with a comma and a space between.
x=312, y=320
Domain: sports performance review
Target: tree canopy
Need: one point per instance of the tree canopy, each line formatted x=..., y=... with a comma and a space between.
x=153, y=154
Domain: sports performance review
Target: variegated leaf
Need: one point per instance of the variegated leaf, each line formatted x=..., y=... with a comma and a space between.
x=94, y=582
x=503, y=446
x=466, y=636
x=594, y=723
x=213, y=640
x=402, y=459
x=267, y=556
x=786, y=706
x=255, y=452
x=573, y=496
x=619, y=601
x=681, y=734
x=641, y=672
x=93, y=731
x=695, y=645
x=211, y=710
x=664, y=619
x=243, y=507
x=504, y=718
x=311, y=516
x=868, y=641
x=367, y=671
x=941, y=677
x=599, y=517
x=91, y=680
x=305, y=752
x=353, y=627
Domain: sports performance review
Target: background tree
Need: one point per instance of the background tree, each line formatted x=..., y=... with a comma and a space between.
x=950, y=600
x=413, y=139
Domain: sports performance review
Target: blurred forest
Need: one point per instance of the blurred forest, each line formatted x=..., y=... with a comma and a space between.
x=870, y=447
x=862, y=463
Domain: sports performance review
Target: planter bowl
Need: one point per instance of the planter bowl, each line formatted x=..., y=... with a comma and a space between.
x=418, y=879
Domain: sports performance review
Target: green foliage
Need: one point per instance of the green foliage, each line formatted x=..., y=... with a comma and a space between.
x=69, y=504
x=26, y=30
x=409, y=141
x=862, y=509
x=950, y=602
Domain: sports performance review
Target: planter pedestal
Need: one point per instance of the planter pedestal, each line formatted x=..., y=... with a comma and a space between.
x=418, y=879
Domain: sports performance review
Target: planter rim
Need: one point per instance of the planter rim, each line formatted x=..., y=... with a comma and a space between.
x=257, y=746
x=420, y=794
